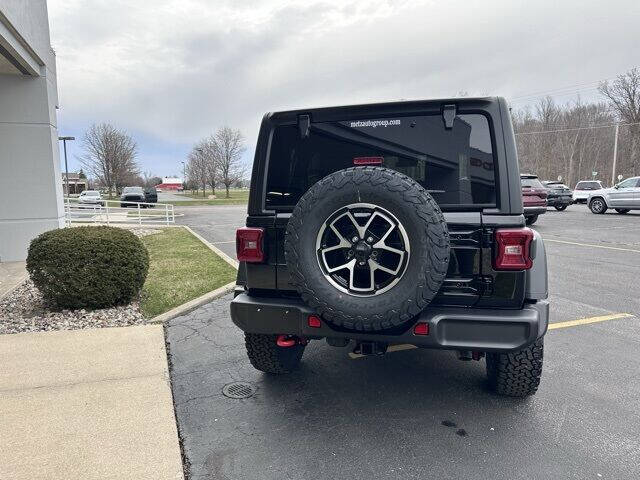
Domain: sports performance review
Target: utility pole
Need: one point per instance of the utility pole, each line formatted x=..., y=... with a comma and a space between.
x=615, y=155
x=66, y=167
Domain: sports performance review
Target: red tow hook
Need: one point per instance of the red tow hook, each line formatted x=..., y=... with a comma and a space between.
x=286, y=341
x=477, y=355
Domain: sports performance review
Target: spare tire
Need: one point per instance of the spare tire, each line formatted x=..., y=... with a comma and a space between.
x=367, y=248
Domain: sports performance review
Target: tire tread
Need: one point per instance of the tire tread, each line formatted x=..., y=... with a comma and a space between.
x=265, y=355
x=516, y=374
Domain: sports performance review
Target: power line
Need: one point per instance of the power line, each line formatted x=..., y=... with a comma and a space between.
x=568, y=89
x=562, y=91
x=578, y=128
x=530, y=99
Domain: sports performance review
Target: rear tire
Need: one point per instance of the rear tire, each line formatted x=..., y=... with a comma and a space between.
x=531, y=220
x=265, y=355
x=516, y=374
x=622, y=211
x=560, y=208
x=598, y=206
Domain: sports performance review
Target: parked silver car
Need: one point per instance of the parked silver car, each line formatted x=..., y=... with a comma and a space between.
x=623, y=197
x=90, y=198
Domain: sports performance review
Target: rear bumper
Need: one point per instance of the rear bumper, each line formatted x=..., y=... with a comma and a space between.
x=449, y=327
x=559, y=201
x=529, y=211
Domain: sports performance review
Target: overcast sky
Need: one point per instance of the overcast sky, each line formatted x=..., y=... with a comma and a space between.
x=173, y=71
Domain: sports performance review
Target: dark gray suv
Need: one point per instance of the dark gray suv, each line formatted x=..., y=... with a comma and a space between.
x=396, y=223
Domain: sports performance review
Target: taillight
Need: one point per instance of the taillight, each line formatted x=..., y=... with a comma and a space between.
x=513, y=249
x=249, y=244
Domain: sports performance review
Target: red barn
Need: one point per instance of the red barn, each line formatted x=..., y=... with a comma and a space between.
x=170, y=183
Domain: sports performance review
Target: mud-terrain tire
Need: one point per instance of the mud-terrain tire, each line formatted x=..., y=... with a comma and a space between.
x=424, y=227
x=531, y=220
x=516, y=374
x=265, y=355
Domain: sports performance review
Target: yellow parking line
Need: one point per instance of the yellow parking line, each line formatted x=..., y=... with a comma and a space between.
x=585, y=321
x=547, y=239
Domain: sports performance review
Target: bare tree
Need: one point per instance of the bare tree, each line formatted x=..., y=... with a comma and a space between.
x=197, y=173
x=206, y=148
x=564, y=140
x=624, y=97
x=110, y=155
x=149, y=180
x=229, y=147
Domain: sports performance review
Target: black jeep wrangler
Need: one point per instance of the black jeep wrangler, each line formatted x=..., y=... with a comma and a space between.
x=393, y=223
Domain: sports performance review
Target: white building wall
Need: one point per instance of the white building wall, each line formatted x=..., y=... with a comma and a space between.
x=30, y=190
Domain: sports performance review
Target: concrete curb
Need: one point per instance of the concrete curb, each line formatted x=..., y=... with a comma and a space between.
x=193, y=304
x=216, y=250
x=23, y=279
x=207, y=297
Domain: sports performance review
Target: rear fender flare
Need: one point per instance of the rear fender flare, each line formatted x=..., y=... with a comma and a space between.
x=536, y=281
x=602, y=197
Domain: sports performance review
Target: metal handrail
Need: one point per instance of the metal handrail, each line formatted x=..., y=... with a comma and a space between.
x=103, y=213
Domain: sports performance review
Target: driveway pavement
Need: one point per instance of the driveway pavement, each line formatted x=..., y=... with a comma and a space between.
x=87, y=404
x=171, y=197
x=216, y=223
x=424, y=414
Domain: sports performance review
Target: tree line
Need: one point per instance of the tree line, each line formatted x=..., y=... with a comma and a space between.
x=571, y=142
x=110, y=157
x=216, y=160
x=575, y=140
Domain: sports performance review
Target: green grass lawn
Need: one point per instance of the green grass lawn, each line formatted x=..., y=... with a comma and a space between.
x=182, y=268
x=236, y=197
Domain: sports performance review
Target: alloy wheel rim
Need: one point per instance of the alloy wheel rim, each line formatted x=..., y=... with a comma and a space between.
x=362, y=249
x=597, y=205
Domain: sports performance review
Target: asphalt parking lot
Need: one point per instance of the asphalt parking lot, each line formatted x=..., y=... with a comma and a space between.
x=424, y=414
x=217, y=224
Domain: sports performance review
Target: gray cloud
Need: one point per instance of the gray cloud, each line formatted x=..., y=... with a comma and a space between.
x=179, y=69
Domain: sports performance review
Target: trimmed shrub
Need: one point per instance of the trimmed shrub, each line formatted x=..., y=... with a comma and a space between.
x=88, y=267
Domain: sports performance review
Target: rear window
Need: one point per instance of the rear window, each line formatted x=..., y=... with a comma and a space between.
x=531, y=183
x=588, y=186
x=455, y=165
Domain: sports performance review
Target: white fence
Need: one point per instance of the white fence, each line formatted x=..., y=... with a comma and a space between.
x=111, y=212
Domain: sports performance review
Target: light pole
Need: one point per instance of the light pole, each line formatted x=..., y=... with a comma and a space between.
x=615, y=155
x=66, y=167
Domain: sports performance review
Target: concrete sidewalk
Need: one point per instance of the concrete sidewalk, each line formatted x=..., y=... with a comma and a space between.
x=11, y=275
x=87, y=404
